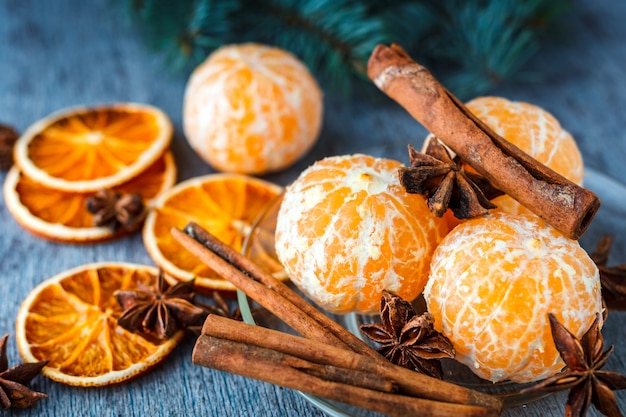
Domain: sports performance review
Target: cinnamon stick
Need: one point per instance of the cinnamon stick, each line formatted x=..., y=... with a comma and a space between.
x=283, y=292
x=202, y=355
x=221, y=258
x=561, y=203
x=407, y=382
x=276, y=304
x=260, y=363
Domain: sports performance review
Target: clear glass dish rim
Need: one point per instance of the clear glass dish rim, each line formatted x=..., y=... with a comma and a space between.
x=615, y=187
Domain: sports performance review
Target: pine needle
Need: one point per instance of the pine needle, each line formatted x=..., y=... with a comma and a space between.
x=474, y=45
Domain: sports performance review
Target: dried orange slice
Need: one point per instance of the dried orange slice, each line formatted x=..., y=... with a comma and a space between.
x=71, y=321
x=62, y=216
x=87, y=149
x=224, y=204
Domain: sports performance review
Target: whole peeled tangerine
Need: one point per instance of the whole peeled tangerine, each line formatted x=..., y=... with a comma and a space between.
x=494, y=280
x=536, y=132
x=252, y=109
x=347, y=230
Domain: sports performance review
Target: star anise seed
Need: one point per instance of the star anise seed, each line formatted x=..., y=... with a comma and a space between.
x=446, y=184
x=408, y=339
x=8, y=137
x=612, y=278
x=114, y=210
x=582, y=375
x=159, y=311
x=13, y=381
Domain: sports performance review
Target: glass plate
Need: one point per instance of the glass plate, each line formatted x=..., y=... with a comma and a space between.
x=259, y=246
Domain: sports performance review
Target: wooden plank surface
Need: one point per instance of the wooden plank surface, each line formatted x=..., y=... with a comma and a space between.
x=55, y=54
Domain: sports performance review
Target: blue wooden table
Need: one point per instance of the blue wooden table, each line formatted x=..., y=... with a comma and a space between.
x=56, y=54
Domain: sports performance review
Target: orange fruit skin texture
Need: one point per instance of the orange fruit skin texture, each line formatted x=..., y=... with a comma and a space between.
x=252, y=109
x=493, y=281
x=536, y=132
x=347, y=230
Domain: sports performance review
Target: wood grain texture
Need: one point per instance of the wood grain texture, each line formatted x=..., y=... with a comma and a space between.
x=57, y=54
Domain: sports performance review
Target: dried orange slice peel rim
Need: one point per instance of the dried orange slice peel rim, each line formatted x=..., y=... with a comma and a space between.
x=112, y=377
x=176, y=274
x=146, y=158
x=59, y=232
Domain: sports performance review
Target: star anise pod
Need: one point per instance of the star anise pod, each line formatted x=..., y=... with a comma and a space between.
x=582, y=375
x=113, y=209
x=612, y=278
x=13, y=381
x=159, y=311
x=222, y=308
x=408, y=339
x=446, y=183
x=8, y=137
x=219, y=307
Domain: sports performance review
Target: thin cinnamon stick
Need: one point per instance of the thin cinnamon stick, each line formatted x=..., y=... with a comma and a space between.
x=213, y=256
x=260, y=363
x=251, y=269
x=408, y=382
x=563, y=204
x=282, y=360
x=275, y=303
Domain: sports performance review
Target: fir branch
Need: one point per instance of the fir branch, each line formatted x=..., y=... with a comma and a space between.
x=408, y=22
x=473, y=45
x=333, y=37
x=184, y=30
x=487, y=42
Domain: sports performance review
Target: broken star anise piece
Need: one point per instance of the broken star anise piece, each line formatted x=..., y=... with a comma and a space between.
x=612, y=278
x=8, y=137
x=408, y=339
x=114, y=210
x=582, y=376
x=13, y=381
x=220, y=307
x=159, y=311
x=446, y=184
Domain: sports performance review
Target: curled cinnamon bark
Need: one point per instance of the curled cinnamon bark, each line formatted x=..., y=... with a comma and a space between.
x=563, y=204
x=334, y=373
x=328, y=342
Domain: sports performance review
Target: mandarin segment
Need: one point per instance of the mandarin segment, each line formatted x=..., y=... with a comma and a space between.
x=251, y=109
x=71, y=321
x=87, y=149
x=493, y=281
x=347, y=230
x=224, y=204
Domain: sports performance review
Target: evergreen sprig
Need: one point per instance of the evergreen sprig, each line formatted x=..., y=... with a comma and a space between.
x=472, y=44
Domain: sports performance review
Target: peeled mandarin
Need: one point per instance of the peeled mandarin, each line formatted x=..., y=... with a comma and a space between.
x=347, y=230
x=252, y=109
x=536, y=132
x=493, y=281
